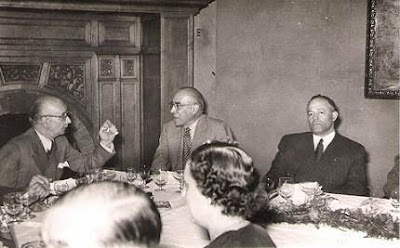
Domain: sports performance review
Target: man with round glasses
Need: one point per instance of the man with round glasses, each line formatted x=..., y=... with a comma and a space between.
x=189, y=129
x=33, y=158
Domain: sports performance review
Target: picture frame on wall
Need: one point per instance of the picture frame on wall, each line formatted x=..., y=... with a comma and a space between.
x=382, y=78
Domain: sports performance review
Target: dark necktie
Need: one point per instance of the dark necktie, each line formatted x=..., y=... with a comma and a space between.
x=187, y=145
x=320, y=150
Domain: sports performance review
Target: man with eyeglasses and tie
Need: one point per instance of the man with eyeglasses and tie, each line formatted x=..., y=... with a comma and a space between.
x=30, y=160
x=189, y=129
x=322, y=155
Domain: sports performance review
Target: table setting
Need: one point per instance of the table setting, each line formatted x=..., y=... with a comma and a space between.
x=300, y=215
x=21, y=223
x=311, y=217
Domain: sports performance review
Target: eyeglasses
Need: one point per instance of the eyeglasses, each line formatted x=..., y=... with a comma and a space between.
x=62, y=116
x=179, y=105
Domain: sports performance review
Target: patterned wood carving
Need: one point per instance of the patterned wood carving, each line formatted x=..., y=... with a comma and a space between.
x=68, y=78
x=130, y=67
x=25, y=74
x=107, y=67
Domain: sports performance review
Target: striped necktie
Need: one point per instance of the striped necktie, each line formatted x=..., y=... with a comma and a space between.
x=187, y=145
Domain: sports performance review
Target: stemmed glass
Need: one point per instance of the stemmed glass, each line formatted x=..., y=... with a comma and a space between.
x=269, y=184
x=12, y=205
x=26, y=199
x=286, y=188
x=160, y=178
x=130, y=175
x=145, y=174
x=310, y=189
x=178, y=175
x=394, y=199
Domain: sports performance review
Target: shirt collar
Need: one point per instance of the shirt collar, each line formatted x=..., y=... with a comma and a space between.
x=327, y=139
x=46, y=142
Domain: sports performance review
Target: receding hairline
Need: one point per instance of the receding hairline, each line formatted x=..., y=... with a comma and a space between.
x=328, y=100
x=191, y=92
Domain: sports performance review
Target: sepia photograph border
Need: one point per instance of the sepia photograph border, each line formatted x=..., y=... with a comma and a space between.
x=382, y=72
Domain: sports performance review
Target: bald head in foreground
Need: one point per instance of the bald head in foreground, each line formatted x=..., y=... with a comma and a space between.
x=102, y=215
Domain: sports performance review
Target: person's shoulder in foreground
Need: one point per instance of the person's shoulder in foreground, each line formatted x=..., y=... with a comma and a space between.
x=252, y=235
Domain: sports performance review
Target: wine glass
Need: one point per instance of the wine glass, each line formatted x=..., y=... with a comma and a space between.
x=394, y=199
x=269, y=184
x=12, y=205
x=286, y=188
x=130, y=175
x=178, y=175
x=310, y=189
x=3, y=221
x=283, y=180
x=145, y=174
x=286, y=191
x=160, y=178
x=26, y=199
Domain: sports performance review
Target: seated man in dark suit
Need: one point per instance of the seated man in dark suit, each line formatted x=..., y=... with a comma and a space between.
x=189, y=129
x=31, y=159
x=392, y=181
x=322, y=155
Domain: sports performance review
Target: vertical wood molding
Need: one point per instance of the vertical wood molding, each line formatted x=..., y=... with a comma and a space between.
x=176, y=57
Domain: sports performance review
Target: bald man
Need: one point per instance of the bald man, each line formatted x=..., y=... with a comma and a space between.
x=102, y=215
x=189, y=129
x=34, y=158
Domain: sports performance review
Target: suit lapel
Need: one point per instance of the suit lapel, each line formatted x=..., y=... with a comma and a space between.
x=38, y=153
x=201, y=129
x=332, y=149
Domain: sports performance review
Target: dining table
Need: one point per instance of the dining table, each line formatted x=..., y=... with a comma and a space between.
x=179, y=230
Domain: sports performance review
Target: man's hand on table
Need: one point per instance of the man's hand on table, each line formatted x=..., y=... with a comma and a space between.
x=39, y=186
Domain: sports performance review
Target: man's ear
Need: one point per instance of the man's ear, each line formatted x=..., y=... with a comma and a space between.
x=196, y=108
x=335, y=115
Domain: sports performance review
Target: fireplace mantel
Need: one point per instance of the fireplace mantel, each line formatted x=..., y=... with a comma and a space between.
x=120, y=60
x=143, y=6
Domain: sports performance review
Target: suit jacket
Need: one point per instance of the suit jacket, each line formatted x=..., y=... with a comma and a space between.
x=249, y=236
x=169, y=152
x=24, y=156
x=342, y=168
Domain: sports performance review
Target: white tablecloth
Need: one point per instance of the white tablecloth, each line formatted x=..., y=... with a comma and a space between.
x=180, y=231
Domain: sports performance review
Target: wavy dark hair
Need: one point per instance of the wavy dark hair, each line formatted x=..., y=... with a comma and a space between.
x=226, y=174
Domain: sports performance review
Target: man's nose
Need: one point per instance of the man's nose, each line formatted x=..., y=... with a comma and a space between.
x=173, y=109
x=316, y=116
x=68, y=120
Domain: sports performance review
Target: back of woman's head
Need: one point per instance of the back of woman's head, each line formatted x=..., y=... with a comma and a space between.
x=226, y=174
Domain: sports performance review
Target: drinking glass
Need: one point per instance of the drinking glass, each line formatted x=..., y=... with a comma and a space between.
x=310, y=189
x=26, y=199
x=269, y=184
x=12, y=205
x=3, y=221
x=145, y=174
x=286, y=191
x=286, y=188
x=283, y=180
x=178, y=175
x=130, y=175
x=160, y=178
x=394, y=199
